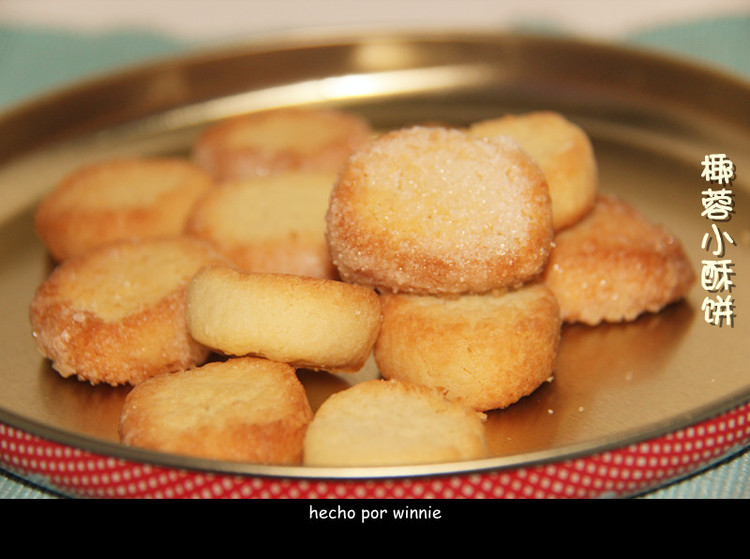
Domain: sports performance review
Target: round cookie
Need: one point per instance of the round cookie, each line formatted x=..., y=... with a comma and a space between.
x=291, y=139
x=308, y=322
x=243, y=409
x=118, y=199
x=274, y=223
x=486, y=350
x=391, y=423
x=616, y=264
x=436, y=210
x=563, y=151
x=116, y=314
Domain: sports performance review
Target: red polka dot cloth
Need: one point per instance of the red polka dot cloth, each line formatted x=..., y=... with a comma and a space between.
x=620, y=472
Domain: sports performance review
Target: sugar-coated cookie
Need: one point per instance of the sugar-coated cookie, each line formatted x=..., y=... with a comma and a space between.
x=616, y=264
x=116, y=314
x=118, y=199
x=486, y=350
x=563, y=151
x=274, y=223
x=391, y=423
x=241, y=410
x=291, y=139
x=437, y=210
x=308, y=322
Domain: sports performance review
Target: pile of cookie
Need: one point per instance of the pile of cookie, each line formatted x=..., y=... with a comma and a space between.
x=302, y=239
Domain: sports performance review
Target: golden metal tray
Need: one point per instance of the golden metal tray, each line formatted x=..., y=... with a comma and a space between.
x=652, y=121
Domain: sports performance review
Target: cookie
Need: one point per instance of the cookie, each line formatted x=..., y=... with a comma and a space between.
x=391, y=423
x=487, y=351
x=615, y=265
x=116, y=314
x=118, y=199
x=563, y=151
x=291, y=139
x=308, y=322
x=239, y=410
x=274, y=223
x=433, y=210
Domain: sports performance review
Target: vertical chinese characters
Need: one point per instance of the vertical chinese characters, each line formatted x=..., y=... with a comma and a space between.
x=717, y=273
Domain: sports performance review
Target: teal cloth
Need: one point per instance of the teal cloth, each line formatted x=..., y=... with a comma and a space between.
x=32, y=61
x=722, y=43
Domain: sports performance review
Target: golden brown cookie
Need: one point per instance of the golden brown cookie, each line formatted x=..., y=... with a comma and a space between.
x=486, y=350
x=391, y=423
x=274, y=223
x=243, y=409
x=615, y=265
x=293, y=139
x=118, y=199
x=563, y=151
x=308, y=322
x=437, y=210
x=116, y=314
